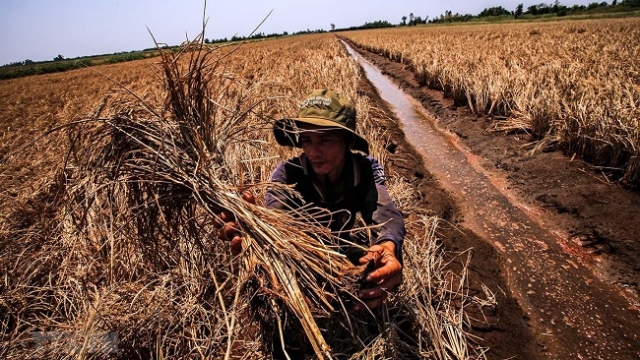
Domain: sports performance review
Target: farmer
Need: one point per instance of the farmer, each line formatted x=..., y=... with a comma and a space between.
x=331, y=176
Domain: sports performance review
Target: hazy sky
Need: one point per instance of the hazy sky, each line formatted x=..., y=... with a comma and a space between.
x=41, y=29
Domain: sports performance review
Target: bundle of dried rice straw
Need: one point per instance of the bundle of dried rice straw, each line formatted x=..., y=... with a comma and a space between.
x=163, y=175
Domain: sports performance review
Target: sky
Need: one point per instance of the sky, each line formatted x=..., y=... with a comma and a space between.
x=41, y=29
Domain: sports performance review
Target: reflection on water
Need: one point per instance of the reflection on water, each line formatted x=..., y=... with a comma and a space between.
x=536, y=255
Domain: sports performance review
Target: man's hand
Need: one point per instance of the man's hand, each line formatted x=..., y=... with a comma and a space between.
x=386, y=276
x=229, y=229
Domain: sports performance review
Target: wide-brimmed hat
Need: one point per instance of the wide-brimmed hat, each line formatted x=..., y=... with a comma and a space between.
x=324, y=108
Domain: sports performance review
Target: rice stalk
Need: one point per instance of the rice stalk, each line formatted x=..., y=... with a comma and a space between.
x=578, y=87
x=436, y=298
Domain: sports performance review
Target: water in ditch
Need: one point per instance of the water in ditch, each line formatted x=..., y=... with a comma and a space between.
x=536, y=255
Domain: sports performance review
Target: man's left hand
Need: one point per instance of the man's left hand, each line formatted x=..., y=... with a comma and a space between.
x=386, y=276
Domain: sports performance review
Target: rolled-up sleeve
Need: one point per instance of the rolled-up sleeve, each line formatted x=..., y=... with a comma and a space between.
x=386, y=212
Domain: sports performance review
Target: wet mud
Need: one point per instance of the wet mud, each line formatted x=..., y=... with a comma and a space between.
x=562, y=290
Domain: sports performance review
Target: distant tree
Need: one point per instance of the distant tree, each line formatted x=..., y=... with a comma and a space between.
x=614, y=3
x=494, y=11
x=411, y=19
x=448, y=16
x=519, y=11
x=544, y=9
x=404, y=21
x=373, y=25
x=333, y=26
x=577, y=8
x=58, y=58
x=28, y=62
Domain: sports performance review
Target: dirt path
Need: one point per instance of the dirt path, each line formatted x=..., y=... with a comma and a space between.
x=569, y=295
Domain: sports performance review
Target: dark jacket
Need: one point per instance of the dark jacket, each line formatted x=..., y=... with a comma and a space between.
x=360, y=189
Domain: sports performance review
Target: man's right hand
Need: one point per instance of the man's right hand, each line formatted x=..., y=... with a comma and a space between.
x=386, y=277
x=229, y=229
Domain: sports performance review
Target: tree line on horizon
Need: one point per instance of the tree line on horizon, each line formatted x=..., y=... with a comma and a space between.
x=520, y=11
x=532, y=11
x=540, y=9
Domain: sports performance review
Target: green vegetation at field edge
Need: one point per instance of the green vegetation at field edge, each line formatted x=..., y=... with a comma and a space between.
x=60, y=64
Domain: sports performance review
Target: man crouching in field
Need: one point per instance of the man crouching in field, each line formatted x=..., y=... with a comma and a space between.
x=329, y=175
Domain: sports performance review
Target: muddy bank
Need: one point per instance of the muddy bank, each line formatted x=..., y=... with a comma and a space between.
x=562, y=193
x=495, y=328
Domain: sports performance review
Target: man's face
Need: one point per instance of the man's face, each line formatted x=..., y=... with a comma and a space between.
x=325, y=150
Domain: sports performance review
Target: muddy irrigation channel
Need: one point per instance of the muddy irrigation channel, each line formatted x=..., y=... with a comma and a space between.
x=571, y=311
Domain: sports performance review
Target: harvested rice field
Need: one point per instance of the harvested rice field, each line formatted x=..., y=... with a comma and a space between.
x=112, y=175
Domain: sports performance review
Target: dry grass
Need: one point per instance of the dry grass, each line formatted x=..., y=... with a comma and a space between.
x=108, y=223
x=574, y=83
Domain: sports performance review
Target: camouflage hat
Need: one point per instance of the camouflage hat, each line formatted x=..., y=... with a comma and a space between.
x=322, y=108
